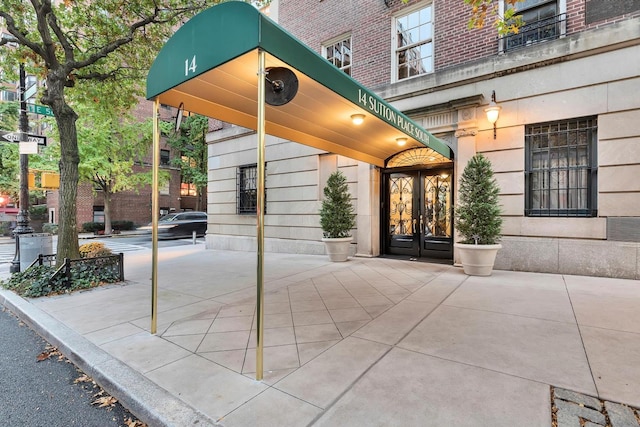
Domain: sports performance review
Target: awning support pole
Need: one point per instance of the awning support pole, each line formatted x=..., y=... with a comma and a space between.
x=260, y=218
x=154, y=217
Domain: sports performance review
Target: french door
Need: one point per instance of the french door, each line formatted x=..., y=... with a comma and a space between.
x=419, y=213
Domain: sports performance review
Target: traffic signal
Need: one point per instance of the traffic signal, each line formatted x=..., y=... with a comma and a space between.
x=32, y=180
x=50, y=180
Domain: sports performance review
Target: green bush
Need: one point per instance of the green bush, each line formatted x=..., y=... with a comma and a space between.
x=36, y=281
x=38, y=211
x=478, y=211
x=92, y=227
x=122, y=225
x=337, y=216
x=5, y=228
x=48, y=227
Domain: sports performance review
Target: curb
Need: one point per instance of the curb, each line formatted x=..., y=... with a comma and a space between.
x=147, y=401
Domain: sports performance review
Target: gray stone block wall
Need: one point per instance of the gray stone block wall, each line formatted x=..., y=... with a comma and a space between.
x=570, y=256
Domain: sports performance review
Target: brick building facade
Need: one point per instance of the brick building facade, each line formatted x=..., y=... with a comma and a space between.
x=564, y=147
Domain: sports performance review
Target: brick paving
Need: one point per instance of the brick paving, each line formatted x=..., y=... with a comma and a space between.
x=571, y=409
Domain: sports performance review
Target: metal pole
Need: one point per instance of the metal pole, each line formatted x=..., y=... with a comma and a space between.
x=154, y=218
x=22, y=226
x=260, y=218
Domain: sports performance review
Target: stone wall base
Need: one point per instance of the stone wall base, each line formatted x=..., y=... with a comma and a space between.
x=570, y=256
x=579, y=257
x=246, y=243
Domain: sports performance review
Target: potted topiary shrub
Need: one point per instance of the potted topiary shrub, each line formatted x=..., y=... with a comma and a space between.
x=337, y=217
x=478, y=218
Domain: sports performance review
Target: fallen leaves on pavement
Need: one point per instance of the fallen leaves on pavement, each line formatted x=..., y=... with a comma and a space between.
x=48, y=352
x=105, y=401
x=84, y=378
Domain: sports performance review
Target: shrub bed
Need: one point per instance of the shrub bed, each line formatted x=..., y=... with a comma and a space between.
x=93, y=227
x=36, y=281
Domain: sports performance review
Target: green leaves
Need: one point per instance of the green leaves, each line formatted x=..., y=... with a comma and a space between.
x=190, y=142
x=478, y=211
x=337, y=216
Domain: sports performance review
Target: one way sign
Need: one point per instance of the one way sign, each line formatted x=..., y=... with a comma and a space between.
x=16, y=137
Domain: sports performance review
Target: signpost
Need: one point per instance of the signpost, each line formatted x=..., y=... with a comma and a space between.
x=16, y=137
x=40, y=109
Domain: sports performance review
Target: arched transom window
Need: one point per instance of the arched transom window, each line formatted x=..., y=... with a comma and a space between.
x=415, y=157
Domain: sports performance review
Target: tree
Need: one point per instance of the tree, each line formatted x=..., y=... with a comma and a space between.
x=190, y=142
x=76, y=46
x=110, y=144
x=9, y=115
x=337, y=216
x=478, y=217
x=508, y=22
x=8, y=151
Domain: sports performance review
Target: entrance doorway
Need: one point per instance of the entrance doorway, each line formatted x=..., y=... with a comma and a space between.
x=418, y=213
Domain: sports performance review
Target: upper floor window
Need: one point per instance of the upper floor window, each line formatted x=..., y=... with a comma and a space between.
x=543, y=20
x=338, y=52
x=561, y=168
x=7, y=95
x=413, y=43
x=188, y=189
x=165, y=158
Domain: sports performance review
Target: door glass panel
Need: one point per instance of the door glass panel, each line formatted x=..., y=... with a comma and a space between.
x=401, y=219
x=437, y=212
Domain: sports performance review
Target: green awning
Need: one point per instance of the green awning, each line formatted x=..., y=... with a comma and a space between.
x=211, y=66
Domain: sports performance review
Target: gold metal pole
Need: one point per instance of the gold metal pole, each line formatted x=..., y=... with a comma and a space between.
x=260, y=218
x=154, y=217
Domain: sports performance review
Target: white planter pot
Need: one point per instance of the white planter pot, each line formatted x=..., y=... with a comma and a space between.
x=477, y=260
x=338, y=249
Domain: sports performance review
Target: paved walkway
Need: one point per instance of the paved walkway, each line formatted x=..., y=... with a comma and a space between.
x=369, y=342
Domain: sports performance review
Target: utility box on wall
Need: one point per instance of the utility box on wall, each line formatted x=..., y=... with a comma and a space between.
x=32, y=245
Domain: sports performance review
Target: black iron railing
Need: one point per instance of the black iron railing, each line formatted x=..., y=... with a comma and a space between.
x=49, y=260
x=535, y=32
x=110, y=266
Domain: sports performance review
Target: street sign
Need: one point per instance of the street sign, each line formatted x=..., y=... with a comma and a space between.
x=30, y=92
x=40, y=109
x=16, y=137
x=28, y=147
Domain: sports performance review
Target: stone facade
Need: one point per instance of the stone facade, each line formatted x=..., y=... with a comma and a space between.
x=591, y=70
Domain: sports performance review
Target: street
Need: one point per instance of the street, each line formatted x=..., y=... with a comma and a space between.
x=51, y=392
x=117, y=244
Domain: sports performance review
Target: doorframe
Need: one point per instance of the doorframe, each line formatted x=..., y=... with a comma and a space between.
x=384, y=200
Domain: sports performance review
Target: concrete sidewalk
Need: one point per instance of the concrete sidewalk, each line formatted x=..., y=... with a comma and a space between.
x=369, y=342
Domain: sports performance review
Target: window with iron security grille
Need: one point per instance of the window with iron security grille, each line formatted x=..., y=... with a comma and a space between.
x=543, y=20
x=247, y=190
x=561, y=168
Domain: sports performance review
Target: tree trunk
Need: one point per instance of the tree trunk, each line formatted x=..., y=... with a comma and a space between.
x=107, y=210
x=69, y=158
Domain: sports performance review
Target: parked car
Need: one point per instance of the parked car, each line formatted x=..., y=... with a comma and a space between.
x=180, y=224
